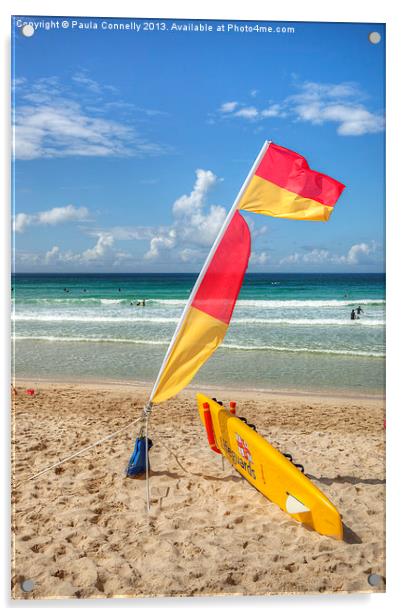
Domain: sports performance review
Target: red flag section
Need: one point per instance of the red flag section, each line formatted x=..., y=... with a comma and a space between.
x=221, y=284
x=207, y=318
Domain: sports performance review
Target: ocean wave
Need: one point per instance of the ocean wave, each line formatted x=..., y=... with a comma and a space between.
x=308, y=303
x=57, y=300
x=253, y=303
x=240, y=347
x=82, y=339
x=361, y=321
x=76, y=301
x=238, y=321
x=90, y=319
x=285, y=303
x=236, y=347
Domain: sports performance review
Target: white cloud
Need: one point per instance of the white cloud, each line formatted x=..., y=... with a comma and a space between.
x=190, y=255
x=55, y=255
x=228, y=107
x=101, y=248
x=272, y=111
x=65, y=129
x=52, y=121
x=131, y=233
x=317, y=103
x=250, y=113
x=55, y=216
x=357, y=254
x=259, y=258
x=81, y=78
x=313, y=256
x=187, y=203
x=193, y=223
x=338, y=103
x=159, y=242
x=101, y=252
x=195, y=226
x=202, y=227
x=360, y=250
x=314, y=90
x=59, y=215
x=21, y=222
x=258, y=231
x=52, y=254
x=27, y=258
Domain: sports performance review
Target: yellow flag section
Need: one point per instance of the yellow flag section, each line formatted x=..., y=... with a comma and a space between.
x=200, y=337
x=208, y=312
x=268, y=470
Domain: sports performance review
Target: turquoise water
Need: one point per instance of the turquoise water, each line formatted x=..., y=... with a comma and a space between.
x=288, y=331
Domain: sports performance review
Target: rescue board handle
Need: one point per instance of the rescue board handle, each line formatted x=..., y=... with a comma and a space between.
x=209, y=428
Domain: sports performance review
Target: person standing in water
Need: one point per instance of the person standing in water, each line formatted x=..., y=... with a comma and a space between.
x=353, y=315
x=359, y=309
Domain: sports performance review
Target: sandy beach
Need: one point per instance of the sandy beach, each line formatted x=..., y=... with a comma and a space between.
x=82, y=531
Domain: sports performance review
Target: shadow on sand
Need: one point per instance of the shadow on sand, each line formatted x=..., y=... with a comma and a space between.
x=346, y=479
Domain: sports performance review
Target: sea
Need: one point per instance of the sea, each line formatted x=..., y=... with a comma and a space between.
x=289, y=332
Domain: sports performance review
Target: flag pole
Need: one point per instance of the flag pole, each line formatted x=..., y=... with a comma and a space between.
x=208, y=260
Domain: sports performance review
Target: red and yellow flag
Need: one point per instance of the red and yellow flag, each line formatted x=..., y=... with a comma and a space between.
x=208, y=314
x=280, y=184
x=284, y=186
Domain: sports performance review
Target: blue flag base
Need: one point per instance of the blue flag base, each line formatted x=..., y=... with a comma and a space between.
x=137, y=463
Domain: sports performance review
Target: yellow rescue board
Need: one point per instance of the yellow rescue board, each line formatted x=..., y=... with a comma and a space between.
x=270, y=472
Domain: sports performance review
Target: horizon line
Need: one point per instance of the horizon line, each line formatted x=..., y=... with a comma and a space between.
x=183, y=273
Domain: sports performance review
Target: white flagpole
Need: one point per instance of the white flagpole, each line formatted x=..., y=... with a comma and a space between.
x=215, y=245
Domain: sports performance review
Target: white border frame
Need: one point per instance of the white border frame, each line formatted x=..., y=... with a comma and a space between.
x=308, y=10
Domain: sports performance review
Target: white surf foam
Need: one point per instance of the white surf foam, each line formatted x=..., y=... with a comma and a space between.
x=82, y=339
x=363, y=322
x=237, y=347
x=285, y=303
x=49, y=317
x=90, y=319
x=241, y=347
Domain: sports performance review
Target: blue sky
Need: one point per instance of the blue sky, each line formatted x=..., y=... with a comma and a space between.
x=130, y=145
